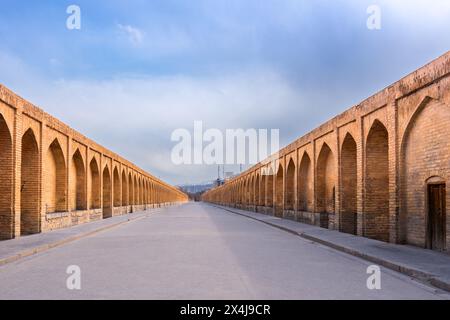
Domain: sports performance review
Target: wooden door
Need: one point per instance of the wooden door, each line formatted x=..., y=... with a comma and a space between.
x=436, y=217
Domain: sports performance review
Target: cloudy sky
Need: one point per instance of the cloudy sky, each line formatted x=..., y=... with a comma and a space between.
x=137, y=70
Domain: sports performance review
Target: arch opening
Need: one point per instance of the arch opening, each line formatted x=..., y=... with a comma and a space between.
x=29, y=185
x=326, y=186
x=78, y=182
x=270, y=187
x=56, y=179
x=425, y=194
x=124, y=189
x=94, y=185
x=106, y=195
x=348, y=223
x=130, y=190
x=279, y=192
x=263, y=190
x=376, y=217
x=305, y=185
x=290, y=186
x=117, y=189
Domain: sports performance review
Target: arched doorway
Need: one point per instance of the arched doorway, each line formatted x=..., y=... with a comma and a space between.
x=94, y=185
x=130, y=190
x=251, y=200
x=141, y=191
x=326, y=185
x=55, y=182
x=117, y=189
x=348, y=223
x=29, y=185
x=425, y=196
x=290, y=186
x=78, y=182
x=376, y=207
x=270, y=186
x=305, y=185
x=136, y=191
x=257, y=190
x=6, y=170
x=124, y=189
x=263, y=189
x=279, y=192
x=107, y=196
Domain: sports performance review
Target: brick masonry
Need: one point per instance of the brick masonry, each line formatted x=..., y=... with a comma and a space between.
x=53, y=177
x=367, y=170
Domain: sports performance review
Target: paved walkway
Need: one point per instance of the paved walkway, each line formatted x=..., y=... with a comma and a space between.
x=12, y=250
x=426, y=265
x=198, y=251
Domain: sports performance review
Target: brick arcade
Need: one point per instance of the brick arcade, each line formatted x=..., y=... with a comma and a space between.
x=53, y=177
x=379, y=170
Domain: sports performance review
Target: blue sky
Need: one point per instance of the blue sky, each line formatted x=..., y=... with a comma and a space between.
x=286, y=64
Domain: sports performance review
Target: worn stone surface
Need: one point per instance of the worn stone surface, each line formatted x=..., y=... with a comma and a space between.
x=196, y=251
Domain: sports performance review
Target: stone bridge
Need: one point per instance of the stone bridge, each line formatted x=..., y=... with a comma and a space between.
x=378, y=170
x=52, y=177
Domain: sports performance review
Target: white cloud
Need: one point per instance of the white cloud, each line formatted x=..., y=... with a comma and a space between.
x=135, y=116
x=134, y=35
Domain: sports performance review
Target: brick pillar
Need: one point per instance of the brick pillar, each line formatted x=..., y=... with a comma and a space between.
x=86, y=177
x=394, y=212
x=42, y=213
x=70, y=179
x=360, y=176
x=295, y=191
x=16, y=134
x=314, y=168
x=337, y=190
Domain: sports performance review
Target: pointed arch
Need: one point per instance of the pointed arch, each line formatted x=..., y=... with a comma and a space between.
x=252, y=191
x=77, y=182
x=117, y=189
x=290, y=186
x=29, y=185
x=421, y=148
x=305, y=185
x=124, y=189
x=130, y=189
x=257, y=190
x=348, y=216
x=152, y=194
x=141, y=191
x=107, y=194
x=55, y=183
x=270, y=186
x=263, y=189
x=6, y=171
x=94, y=185
x=146, y=192
x=136, y=190
x=279, y=192
x=245, y=190
x=326, y=184
x=376, y=220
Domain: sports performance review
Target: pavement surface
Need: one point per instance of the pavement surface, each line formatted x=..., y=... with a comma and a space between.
x=425, y=265
x=198, y=251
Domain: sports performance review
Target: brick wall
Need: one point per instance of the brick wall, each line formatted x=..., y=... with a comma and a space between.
x=374, y=160
x=54, y=177
x=6, y=174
